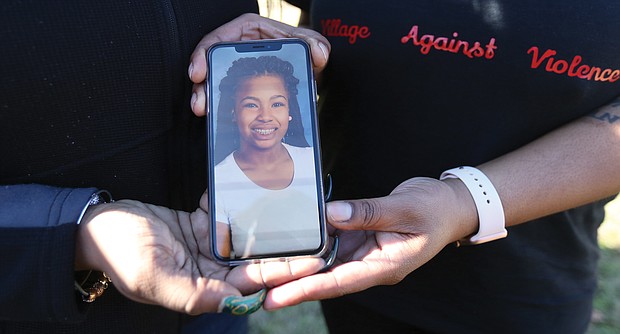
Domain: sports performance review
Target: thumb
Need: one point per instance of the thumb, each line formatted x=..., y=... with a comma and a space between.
x=363, y=214
x=320, y=54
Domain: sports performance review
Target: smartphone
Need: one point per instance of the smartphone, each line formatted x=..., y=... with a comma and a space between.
x=265, y=186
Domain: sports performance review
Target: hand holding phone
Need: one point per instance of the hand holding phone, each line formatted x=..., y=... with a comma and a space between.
x=249, y=26
x=265, y=180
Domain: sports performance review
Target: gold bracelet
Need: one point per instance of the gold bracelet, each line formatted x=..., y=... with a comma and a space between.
x=90, y=294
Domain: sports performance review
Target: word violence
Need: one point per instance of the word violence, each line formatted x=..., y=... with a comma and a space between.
x=574, y=68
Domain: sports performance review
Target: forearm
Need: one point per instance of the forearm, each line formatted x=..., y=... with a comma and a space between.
x=37, y=240
x=572, y=166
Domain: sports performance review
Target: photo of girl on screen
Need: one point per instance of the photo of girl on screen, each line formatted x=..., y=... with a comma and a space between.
x=265, y=181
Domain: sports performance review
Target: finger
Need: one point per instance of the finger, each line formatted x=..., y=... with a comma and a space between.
x=246, y=305
x=197, y=69
x=178, y=293
x=253, y=26
x=206, y=295
x=244, y=27
x=344, y=279
x=250, y=278
x=210, y=295
x=217, y=296
x=204, y=200
x=198, y=102
x=319, y=50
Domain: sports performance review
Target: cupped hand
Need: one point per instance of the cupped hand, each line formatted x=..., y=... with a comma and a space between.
x=156, y=255
x=384, y=239
x=250, y=27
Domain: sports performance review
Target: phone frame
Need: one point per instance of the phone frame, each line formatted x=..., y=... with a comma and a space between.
x=255, y=48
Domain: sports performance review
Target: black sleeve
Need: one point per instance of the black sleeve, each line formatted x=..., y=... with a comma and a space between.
x=37, y=246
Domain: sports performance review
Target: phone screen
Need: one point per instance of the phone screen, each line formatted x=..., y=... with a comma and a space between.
x=265, y=184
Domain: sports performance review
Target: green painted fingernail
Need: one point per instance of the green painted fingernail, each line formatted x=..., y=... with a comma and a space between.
x=243, y=305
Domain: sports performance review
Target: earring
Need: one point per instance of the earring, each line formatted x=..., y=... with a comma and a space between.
x=290, y=118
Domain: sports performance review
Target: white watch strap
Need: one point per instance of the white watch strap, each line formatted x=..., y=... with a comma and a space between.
x=492, y=225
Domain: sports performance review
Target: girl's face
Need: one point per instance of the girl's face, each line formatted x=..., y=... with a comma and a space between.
x=262, y=112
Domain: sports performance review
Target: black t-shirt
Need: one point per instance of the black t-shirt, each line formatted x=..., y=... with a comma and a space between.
x=414, y=88
x=96, y=94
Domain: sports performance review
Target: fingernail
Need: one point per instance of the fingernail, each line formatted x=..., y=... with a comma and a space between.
x=323, y=48
x=339, y=211
x=190, y=70
x=242, y=305
x=193, y=100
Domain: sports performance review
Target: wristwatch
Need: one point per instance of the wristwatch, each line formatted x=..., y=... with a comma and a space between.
x=492, y=225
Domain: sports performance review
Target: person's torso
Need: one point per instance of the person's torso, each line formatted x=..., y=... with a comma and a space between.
x=413, y=88
x=97, y=94
x=417, y=87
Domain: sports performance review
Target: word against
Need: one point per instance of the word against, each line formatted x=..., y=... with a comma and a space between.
x=427, y=42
